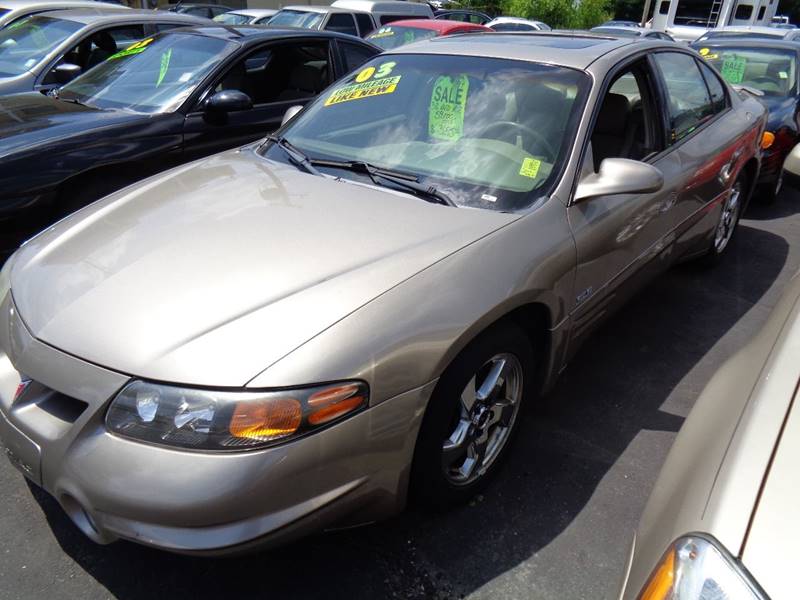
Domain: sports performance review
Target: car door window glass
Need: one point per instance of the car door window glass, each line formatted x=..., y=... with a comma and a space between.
x=355, y=56
x=25, y=43
x=689, y=105
x=622, y=128
x=364, y=22
x=280, y=73
x=715, y=87
x=342, y=23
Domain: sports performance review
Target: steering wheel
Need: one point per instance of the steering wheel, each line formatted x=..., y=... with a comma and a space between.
x=520, y=128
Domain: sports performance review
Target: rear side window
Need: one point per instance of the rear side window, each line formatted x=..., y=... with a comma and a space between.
x=664, y=8
x=342, y=22
x=718, y=98
x=354, y=56
x=364, y=22
x=689, y=104
x=761, y=12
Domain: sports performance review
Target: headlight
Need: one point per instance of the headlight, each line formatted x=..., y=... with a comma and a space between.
x=697, y=568
x=229, y=420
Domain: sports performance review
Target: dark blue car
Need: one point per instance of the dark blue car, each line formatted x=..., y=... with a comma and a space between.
x=770, y=67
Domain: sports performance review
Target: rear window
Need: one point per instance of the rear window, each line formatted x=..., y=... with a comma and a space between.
x=771, y=71
x=395, y=36
x=392, y=18
x=296, y=18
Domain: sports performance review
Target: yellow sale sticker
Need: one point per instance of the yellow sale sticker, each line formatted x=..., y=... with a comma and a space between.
x=530, y=167
x=367, y=89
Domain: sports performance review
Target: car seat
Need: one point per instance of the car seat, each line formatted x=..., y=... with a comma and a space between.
x=608, y=138
x=105, y=46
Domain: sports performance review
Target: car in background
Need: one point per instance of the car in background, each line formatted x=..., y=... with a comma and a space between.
x=633, y=32
x=207, y=11
x=168, y=99
x=772, y=68
x=354, y=17
x=463, y=15
x=13, y=10
x=261, y=343
x=46, y=50
x=752, y=32
x=722, y=519
x=619, y=24
x=399, y=33
x=507, y=24
x=246, y=16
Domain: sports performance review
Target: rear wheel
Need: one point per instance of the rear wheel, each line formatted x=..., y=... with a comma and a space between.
x=472, y=417
x=728, y=220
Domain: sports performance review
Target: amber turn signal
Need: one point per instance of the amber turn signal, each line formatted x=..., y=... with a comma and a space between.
x=767, y=138
x=267, y=419
x=662, y=580
x=331, y=403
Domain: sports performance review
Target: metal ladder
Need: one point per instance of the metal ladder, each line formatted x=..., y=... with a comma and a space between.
x=714, y=14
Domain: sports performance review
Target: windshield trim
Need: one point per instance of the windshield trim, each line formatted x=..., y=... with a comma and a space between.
x=585, y=80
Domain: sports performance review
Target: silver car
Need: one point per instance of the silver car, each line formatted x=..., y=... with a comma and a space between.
x=48, y=49
x=305, y=332
x=13, y=10
x=723, y=519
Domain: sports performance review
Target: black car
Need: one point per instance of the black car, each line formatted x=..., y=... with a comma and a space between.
x=463, y=15
x=771, y=68
x=209, y=11
x=164, y=101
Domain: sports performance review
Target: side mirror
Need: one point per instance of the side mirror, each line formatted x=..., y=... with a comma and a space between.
x=228, y=101
x=290, y=113
x=791, y=167
x=66, y=72
x=620, y=176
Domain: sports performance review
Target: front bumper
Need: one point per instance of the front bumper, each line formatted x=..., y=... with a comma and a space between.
x=192, y=502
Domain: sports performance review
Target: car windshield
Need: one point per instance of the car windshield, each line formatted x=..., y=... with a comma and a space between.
x=393, y=36
x=617, y=31
x=761, y=35
x=487, y=132
x=232, y=18
x=296, y=18
x=154, y=75
x=769, y=70
x=24, y=43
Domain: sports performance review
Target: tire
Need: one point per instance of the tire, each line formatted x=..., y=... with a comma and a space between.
x=463, y=440
x=730, y=214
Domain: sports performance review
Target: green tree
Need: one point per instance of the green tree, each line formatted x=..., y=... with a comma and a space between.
x=590, y=13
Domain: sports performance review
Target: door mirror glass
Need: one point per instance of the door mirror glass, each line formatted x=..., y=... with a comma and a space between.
x=66, y=72
x=228, y=101
x=620, y=176
x=290, y=113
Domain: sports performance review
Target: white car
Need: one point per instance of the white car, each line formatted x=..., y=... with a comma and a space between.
x=246, y=16
x=517, y=24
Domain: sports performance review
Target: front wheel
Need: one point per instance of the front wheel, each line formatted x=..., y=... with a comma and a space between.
x=472, y=417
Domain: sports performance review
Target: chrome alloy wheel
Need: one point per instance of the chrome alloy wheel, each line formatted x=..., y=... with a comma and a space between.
x=728, y=218
x=487, y=412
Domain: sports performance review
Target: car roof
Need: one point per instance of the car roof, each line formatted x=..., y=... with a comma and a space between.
x=317, y=8
x=253, y=34
x=748, y=43
x=442, y=26
x=568, y=50
x=254, y=12
x=16, y=4
x=89, y=16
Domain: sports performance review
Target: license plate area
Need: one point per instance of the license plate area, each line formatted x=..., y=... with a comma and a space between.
x=21, y=451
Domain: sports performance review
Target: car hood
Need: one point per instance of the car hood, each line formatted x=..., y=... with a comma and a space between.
x=210, y=273
x=27, y=120
x=770, y=552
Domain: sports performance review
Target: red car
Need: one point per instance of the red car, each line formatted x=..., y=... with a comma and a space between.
x=399, y=33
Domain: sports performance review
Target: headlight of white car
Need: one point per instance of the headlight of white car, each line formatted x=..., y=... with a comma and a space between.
x=696, y=567
x=229, y=420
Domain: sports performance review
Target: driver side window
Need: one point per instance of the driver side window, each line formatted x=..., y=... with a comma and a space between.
x=625, y=124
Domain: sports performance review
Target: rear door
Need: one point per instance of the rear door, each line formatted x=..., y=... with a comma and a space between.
x=704, y=139
x=275, y=76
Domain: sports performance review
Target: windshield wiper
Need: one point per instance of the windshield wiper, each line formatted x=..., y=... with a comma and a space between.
x=296, y=157
x=403, y=180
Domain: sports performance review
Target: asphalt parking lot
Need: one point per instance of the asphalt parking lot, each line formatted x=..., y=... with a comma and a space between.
x=555, y=524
